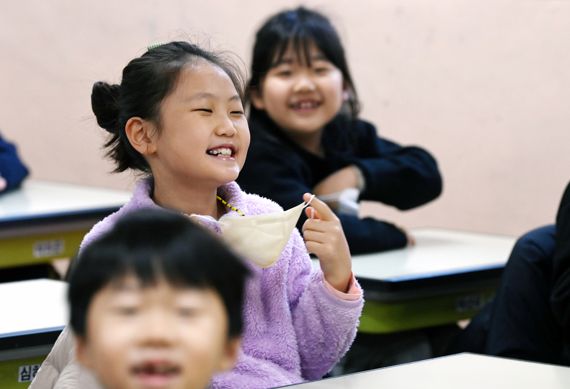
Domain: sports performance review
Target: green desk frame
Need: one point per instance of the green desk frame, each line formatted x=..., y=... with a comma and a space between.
x=44, y=220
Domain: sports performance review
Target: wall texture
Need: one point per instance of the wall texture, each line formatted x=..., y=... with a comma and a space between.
x=483, y=85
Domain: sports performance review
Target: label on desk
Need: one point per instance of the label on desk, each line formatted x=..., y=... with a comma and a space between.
x=19, y=373
x=48, y=248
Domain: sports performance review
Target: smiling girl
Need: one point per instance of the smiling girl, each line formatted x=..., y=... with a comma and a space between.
x=178, y=117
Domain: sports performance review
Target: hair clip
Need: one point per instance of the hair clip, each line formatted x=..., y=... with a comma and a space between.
x=154, y=46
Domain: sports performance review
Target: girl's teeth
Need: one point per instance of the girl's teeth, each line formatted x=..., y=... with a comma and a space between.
x=225, y=152
x=306, y=105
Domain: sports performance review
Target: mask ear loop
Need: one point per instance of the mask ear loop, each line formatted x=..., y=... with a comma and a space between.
x=307, y=204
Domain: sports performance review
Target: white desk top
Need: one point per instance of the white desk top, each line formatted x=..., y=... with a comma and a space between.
x=437, y=252
x=43, y=199
x=465, y=371
x=32, y=306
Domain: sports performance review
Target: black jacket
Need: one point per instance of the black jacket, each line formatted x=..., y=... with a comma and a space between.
x=560, y=297
x=403, y=177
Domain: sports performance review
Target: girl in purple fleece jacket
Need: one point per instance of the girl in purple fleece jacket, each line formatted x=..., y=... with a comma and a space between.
x=178, y=117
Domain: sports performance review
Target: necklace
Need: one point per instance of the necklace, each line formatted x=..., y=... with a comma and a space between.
x=224, y=202
x=221, y=200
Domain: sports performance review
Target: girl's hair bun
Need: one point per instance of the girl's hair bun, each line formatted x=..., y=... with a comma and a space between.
x=105, y=105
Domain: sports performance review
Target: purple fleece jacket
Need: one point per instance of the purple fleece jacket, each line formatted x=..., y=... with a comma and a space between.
x=295, y=329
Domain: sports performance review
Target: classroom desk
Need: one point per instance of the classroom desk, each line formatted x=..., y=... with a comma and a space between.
x=447, y=276
x=465, y=371
x=46, y=220
x=33, y=314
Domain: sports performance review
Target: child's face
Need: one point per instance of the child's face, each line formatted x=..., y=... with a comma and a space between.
x=298, y=98
x=156, y=337
x=204, y=133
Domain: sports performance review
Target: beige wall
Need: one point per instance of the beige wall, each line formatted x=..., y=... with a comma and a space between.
x=484, y=85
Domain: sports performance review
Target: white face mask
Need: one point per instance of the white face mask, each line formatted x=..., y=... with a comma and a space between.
x=261, y=238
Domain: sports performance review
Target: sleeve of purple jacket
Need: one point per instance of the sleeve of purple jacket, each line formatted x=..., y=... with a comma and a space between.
x=325, y=325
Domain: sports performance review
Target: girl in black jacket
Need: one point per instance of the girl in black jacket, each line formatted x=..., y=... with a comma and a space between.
x=306, y=136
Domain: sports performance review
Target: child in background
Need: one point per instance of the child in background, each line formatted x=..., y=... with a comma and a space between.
x=12, y=170
x=178, y=116
x=560, y=291
x=306, y=135
x=149, y=306
x=529, y=317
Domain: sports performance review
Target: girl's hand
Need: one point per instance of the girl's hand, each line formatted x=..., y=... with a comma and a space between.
x=3, y=184
x=410, y=239
x=325, y=238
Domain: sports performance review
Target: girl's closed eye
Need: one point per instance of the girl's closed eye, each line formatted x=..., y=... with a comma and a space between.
x=321, y=70
x=322, y=67
x=235, y=108
x=283, y=71
x=204, y=110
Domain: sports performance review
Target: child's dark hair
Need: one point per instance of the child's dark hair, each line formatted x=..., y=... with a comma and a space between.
x=146, y=81
x=154, y=244
x=299, y=27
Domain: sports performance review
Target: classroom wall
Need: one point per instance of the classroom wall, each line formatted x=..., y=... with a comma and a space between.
x=483, y=85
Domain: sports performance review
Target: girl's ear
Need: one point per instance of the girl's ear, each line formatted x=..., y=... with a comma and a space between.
x=257, y=99
x=346, y=92
x=142, y=135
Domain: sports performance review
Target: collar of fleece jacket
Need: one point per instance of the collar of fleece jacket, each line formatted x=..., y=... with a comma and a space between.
x=231, y=192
